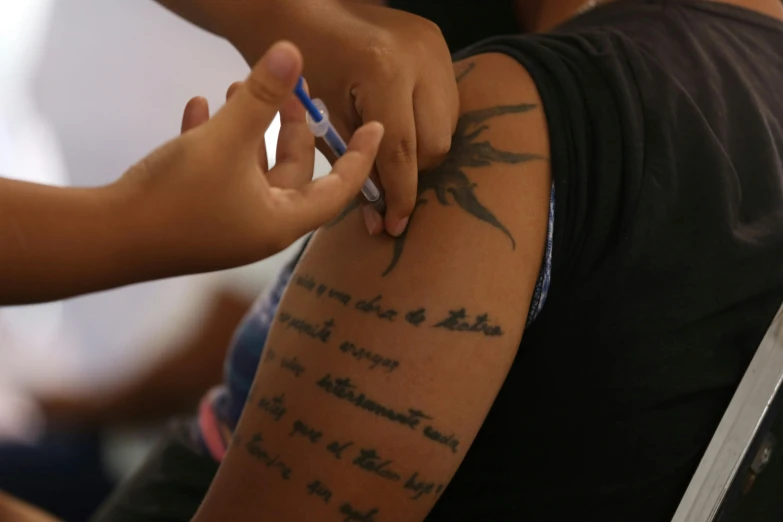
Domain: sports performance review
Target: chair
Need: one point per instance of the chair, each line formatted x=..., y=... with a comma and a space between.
x=743, y=443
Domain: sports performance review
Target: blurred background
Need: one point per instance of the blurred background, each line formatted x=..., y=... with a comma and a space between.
x=88, y=87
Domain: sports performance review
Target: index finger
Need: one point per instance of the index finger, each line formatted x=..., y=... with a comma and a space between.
x=321, y=200
x=396, y=163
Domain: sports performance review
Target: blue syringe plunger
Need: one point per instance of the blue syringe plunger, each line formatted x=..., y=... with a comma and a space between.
x=319, y=124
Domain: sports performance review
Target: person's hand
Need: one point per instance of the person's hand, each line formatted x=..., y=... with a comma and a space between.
x=207, y=197
x=373, y=63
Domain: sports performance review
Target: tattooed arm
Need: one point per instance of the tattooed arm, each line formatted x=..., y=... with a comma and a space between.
x=389, y=353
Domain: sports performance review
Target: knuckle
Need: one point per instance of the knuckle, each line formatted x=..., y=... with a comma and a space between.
x=402, y=153
x=264, y=91
x=436, y=151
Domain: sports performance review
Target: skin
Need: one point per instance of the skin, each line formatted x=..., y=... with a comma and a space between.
x=488, y=200
x=367, y=63
x=400, y=346
x=14, y=510
x=201, y=202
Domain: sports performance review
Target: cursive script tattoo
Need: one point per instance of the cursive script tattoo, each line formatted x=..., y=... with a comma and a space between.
x=363, y=354
x=352, y=514
x=459, y=321
x=311, y=434
x=304, y=327
x=373, y=306
x=420, y=487
x=468, y=150
x=416, y=317
x=336, y=449
x=274, y=406
x=345, y=390
x=449, y=441
x=257, y=451
x=320, y=490
x=369, y=460
x=292, y=365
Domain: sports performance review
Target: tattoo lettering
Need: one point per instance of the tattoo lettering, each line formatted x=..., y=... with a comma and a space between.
x=449, y=441
x=459, y=321
x=311, y=434
x=273, y=406
x=270, y=355
x=292, y=365
x=320, y=490
x=337, y=449
x=305, y=281
x=308, y=283
x=354, y=515
x=373, y=306
x=374, y=359
x=257, y=451
x=416, y=317
x=345, y=390
x=369, y=460
x=420, y=487
x=467, y=151
x=303, y=327
x=339, y=296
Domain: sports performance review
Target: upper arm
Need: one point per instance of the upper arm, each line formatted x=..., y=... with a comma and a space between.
x=389, y=353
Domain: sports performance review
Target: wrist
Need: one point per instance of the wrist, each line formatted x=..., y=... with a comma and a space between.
x=256, y=28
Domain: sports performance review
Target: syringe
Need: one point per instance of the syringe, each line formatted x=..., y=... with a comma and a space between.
x=321, y=127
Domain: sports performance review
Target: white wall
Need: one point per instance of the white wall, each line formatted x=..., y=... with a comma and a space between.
x=112, y=80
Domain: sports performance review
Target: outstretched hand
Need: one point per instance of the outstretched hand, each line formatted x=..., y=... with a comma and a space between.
x=209, y=195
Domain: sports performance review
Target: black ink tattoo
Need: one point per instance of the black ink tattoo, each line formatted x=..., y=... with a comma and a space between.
x=369, y=460
x=354, y=515
x=274, y=406
x=336, y=449
x=374, y=307
x=303, y=327
x=458, y=321
x=292, y=365
x=447, y=440
x=450, y=177
x=374, y=359
x=255, y=449
x=311, y=434
x=419, y=486
x=270, y=355
x=320, y=490
x=305, y=281
x=468, y=68
x=416, y=317
x=339, y=296
x=345, y=390
x=308, y=283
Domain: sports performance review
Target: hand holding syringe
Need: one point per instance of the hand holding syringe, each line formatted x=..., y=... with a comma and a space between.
x=320, y=126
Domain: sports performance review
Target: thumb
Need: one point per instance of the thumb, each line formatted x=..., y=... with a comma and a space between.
x=253, y=106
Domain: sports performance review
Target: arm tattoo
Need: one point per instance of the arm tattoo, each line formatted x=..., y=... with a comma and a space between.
x=467, y=151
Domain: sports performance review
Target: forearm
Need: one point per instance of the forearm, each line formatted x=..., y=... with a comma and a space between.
x=250, y=25
x=59, y=242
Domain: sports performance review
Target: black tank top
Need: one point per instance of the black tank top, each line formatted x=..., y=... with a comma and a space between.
x=666, y=130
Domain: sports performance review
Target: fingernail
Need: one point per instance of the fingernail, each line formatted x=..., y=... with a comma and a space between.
x=399, y=227
x=371, y=219
x=280, y=60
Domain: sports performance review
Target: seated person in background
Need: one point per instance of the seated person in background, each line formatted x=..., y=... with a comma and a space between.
x=395, y=383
